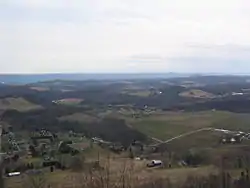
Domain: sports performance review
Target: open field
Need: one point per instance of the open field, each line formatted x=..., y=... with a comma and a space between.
x=195, y=93
x=137, y=92
x=66, y=90
x=135, y=169
x=40, y=88
x=68, y=101
x=118, y=165
x=165, y=125
x=19, y=104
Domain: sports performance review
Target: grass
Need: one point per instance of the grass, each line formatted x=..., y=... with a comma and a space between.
x=19, y=104
x=166, y=125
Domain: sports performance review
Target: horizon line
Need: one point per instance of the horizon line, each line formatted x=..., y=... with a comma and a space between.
x=123, y=73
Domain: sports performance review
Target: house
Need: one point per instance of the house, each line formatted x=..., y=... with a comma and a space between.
x=42, y=135
x=231, y=139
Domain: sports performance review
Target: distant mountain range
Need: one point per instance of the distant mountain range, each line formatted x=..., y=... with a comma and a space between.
x=32, y=78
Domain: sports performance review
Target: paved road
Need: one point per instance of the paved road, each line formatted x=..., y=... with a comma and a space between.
x=188, y=133
x=181, y=135
x=192, y=132
x=156, y=139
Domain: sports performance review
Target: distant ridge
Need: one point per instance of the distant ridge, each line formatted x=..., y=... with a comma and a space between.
x=21, y=79
x=32, y=78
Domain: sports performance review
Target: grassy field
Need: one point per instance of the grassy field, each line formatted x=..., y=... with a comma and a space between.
x=165, y=125
x=19, y=104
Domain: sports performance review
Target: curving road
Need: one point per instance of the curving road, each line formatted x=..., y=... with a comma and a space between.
x=188, y=133
x=192, y=132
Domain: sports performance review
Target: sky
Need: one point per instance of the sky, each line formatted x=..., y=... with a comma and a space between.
x=124, y=36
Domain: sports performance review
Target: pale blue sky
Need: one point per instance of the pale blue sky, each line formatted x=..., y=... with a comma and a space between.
x=38, y=36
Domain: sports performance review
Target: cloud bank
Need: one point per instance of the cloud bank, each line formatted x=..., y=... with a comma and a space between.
x=39, y=36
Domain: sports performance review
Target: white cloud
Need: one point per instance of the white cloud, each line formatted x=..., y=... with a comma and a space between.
x=123, y=36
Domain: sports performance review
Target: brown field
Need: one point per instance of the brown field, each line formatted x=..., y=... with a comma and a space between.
x=69, y=101
x=117, y=166
x=40, y=88
x=136, y=170
x=19, y=104
x=66, y=90
x=195, y=93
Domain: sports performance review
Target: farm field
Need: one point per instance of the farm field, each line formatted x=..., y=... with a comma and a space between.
x=68, y=101
x=195, y=93
x=165, y=125
x=40, y=88
x=19, y=104
x=137, y=93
